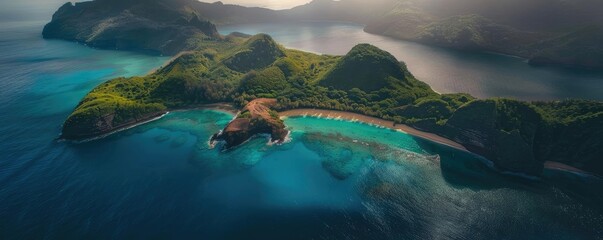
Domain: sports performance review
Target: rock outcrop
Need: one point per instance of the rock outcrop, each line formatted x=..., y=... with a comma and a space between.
x=255, y=118
x=503, y=131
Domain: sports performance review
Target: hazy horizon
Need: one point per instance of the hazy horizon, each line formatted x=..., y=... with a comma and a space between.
x=272, y=4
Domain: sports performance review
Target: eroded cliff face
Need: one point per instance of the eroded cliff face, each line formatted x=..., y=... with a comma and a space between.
x=164, y=26
x=255, y=118
x=502, y=131
x=101, y=120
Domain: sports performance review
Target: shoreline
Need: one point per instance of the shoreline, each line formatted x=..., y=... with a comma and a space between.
x=335, y=115
x=356, y=117
x=225, y=107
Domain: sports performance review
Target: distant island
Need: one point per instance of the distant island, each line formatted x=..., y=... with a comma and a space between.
x=549, y=35
x=239, y=69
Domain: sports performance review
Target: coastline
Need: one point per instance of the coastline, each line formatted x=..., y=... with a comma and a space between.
x=355, y=117
x=557, y=166
x=375, y=121
x=224, y=107
x=334, y=114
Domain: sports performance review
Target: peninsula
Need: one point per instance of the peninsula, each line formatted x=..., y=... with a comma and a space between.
x=516, y=136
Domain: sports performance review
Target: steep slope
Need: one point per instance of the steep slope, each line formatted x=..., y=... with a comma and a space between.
x=501, y=130
x=258, y=52
x=403, y=22
x=580, y=48
x=519, y=136
x=369, y=68
x=544, y=31
x=572, y=133
x=531, y=15
x=218, y=71
x=163, y=26
x=474, y=32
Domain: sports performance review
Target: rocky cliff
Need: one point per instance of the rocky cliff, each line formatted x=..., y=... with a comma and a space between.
x=255, y=118
x=503, y=131
x=160, y=26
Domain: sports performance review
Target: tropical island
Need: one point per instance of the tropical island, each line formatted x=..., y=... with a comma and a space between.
x=516, y=136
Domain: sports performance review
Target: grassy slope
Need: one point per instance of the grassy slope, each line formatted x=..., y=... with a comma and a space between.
x=516, y=135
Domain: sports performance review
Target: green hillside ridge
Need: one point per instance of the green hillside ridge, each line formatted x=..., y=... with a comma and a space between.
x=517, y=136
x=371, y=68
x=579, y=48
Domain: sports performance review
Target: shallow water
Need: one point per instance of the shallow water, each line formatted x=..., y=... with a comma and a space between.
x=446, y=71
x=334, y=180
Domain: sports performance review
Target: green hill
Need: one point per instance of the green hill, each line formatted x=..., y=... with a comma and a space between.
x=517, y=136
x=258, y=52
x=367, y=67
x=368, y=70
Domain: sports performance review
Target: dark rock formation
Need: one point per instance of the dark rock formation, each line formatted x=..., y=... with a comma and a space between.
x=82, y=129
x=503, y=131
x=255, y=118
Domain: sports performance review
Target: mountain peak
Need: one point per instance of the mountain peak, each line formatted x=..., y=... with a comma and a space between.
x=257, y=52
x=371, y=67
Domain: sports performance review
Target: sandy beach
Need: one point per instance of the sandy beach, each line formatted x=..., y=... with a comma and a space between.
x=373, y=120
x=409, y=130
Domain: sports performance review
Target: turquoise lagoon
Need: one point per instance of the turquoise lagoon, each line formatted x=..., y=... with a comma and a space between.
x=333, y=180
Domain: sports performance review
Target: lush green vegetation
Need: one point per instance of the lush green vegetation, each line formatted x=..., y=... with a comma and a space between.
x=517, y=136
x=237, y=69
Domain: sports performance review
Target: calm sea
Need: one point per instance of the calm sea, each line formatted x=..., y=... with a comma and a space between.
x=334, y=180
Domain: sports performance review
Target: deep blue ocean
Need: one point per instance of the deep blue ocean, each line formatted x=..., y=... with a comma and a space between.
x=334, y=180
